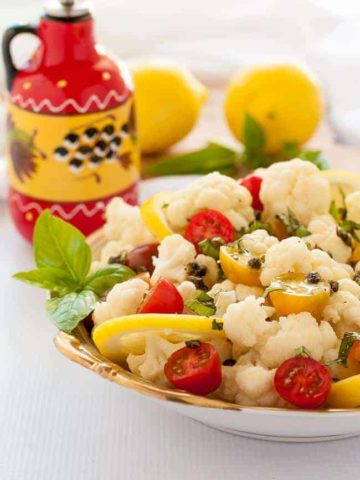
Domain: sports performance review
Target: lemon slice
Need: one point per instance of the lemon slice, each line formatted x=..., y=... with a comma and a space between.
x=117, y=338
x=341, y=181
x=152, y=212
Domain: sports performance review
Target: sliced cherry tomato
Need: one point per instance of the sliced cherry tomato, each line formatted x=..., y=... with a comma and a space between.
x=304, y=382
x=163, y=298
x=209, y=224
x=142, y=257
x=253, y=184
x=196, y=370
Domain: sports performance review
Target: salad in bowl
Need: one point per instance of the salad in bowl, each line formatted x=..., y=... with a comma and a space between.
x=245, y=291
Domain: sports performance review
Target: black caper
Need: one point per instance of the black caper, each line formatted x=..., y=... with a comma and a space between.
x=345, y=237
x=313, y=277
x=334, y=286
x=193, y=343
x=254, y=263
x=229, y=362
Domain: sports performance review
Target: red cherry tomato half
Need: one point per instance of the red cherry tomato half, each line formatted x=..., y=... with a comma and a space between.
x=196, y=370
x=253, y=184
x=304, y=382
x=209, y=224
x=163, y=298
x=141, y=257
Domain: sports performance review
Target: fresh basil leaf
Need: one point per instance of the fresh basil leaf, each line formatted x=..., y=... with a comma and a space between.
x=346, y=344
x=105, y=278
x=290, y=150
x=67, y=312
x=258, y=225
x=292, y=224
x=253, y=134
x=202, y=305
x=212, y=157
x=211, y=247
x=60, y=245
x=49, y=278
x=316, y=157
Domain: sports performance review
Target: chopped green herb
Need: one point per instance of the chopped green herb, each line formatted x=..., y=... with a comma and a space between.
x=202, y=305
x=211, y=247
x=292, y=224
x=302, y=352
x=346, y=344
x=217, y=325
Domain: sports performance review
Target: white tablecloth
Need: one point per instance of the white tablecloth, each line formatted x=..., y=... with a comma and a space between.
x=59, y=421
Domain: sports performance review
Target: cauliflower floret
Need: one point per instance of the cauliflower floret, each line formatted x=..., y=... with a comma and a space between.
x=246, y=324
x=294, y=331
x=174, y=254
x=347, y=285
x=123, y=299
x=352, y=203
x=187, y=290
x=212, y=269
x=324, y=235
x=244, y=291
x=124, y=224
x=213, y=191
x=226, y=293
x=289, y=255
x=297, y=185
x=248, y=384
x=327, y=267
x=150, y=365
x=343, y=312
x=258, y=242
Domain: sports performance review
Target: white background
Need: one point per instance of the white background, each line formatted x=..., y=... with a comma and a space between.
x=59, y=421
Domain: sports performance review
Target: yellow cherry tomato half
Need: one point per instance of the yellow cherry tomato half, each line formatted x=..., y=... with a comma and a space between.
x=345, y=393
x=296, y=294
x=240, y=266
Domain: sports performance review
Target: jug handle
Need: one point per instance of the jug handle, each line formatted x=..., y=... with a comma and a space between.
x=8, y=36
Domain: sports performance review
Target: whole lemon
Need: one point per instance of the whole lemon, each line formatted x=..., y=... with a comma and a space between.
x=168, y=101
x=284, y=99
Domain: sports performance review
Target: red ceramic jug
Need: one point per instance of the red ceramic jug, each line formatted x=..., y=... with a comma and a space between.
x=71, y=131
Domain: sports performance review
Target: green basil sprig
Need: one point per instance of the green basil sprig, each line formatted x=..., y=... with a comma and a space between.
x=202, y=305
x=63, y=260
x=292, y=224
x=223, y=159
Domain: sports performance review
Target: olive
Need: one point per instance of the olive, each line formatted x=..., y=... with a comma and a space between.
x=61, y=154
x=140, y=258
x=108, y=132
x=71, y=140
x=90, y=134
x=76, y=164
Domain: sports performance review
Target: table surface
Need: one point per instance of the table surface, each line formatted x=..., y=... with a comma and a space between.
x=60, y=421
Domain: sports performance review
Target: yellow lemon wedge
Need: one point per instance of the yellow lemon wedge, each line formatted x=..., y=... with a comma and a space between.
x=341, y=182
x=345, y=393
x=117, y=338
x=168, y=103
x=283, y=98
x=237, y=266
x=292, y=293
x=153, y=215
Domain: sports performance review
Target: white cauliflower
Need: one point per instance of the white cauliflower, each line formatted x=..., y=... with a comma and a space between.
x=289, y=255
x=327, y=267
x=347, y=285
x=213, y=191
x=294, y=331
x=352, y=203
x=123, y=299
x=324, y=235
x=243, y=291
x=297, y=185
x=246, y=324
x=150, y=365
x=212, y=269
x=187, y=290
x=343, y=312
x=226, y=293
x=174, y=254
x=248, y=384
x=258, y=242
x=125, y=225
